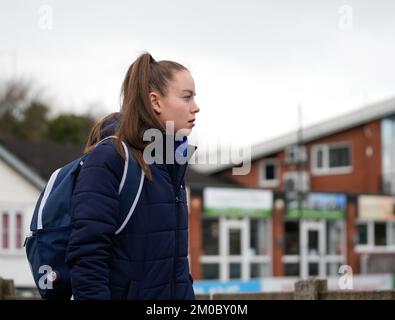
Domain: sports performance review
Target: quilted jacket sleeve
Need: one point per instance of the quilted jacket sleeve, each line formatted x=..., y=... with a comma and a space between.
x=95, y=218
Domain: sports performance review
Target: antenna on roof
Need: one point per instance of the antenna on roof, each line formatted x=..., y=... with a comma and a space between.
x=299, y=168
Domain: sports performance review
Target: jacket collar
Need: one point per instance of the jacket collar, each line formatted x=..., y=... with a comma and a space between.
x=176, y=151
x=177, y=165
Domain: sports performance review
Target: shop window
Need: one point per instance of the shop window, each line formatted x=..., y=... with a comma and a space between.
x=292, y=237
x=380, y=234
x=210, y=271
x=292, y=269
x=259, y=270
x=334, y=237
x=362, y=233
x=392, y=239
x=234, y=242
x=235, y=270
x=210, y=231
x=258, y=237
x=313, y=269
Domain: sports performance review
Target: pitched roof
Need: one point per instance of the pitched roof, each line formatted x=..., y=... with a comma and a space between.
x=21, y=168
x=42, y=158
x=343, y=122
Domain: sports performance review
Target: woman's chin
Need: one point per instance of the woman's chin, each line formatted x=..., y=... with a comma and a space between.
x=185, y=131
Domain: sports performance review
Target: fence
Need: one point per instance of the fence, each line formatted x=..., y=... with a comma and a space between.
x=311, y=289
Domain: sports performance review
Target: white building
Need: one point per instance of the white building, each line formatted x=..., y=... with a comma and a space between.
x=20, y=188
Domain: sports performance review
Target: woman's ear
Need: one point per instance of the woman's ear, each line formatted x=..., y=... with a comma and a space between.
x=154, y=97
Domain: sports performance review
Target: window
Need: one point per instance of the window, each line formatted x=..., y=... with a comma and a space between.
x=313, y=269
x=331, y=158
x=236, y=247
x=334, y=237
x=269, y=173
x=362, y=233
x=258, y=237
x=339, y=157
x=210, y=236
x=235, y=270
x=380, y=234
x=376, y=234
x=18, y=231
x=320, y=159
x=259, y=270
x=388, y=154
x=392, y=233
x=11, y=230
x=313, y=247
x=5, y=230
x=210, y=270
x=292, y=269
x=234, y=242
x=292, y=237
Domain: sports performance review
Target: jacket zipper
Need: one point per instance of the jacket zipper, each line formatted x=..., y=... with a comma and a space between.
x=176, y=189
x=176, y=248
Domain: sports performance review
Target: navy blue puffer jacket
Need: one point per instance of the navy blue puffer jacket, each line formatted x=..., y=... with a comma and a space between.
x=149, y=258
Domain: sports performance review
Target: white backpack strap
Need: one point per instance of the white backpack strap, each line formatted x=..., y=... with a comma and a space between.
x=109, y=137
x=121, y=185
x=134, y=203
x=48, y=189
x=125, y=167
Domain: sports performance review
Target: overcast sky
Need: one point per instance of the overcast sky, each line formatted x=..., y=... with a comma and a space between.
x=253, y=61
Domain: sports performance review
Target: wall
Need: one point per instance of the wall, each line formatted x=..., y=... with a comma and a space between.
x=16, y=195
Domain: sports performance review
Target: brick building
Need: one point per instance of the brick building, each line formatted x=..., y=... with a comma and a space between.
x=332, y=188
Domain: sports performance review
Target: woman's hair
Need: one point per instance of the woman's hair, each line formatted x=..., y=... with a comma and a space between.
x=98, y=131
x=143, y=76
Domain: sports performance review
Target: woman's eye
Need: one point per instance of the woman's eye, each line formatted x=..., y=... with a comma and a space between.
x=187, y=97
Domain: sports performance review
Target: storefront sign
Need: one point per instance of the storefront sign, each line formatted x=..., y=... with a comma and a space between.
x=287, y=284
x=318, y=206
x=237, y=202
x=376, y=208
x=230, y=286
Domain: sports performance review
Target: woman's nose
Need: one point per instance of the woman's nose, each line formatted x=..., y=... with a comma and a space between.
x=196, y=109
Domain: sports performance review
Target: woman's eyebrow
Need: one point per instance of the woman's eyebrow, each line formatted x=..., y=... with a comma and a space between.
x=189, y=91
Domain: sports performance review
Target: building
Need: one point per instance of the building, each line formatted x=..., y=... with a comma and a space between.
x=332, y=187
x=24, y=169
x=19, y=190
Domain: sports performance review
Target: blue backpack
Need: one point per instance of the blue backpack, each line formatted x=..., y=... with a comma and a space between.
x=51, y=223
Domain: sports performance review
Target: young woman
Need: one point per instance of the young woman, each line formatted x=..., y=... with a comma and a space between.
x=148, y=259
